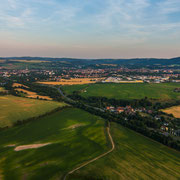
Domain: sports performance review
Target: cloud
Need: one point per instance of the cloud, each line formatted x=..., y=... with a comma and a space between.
x=169, y=6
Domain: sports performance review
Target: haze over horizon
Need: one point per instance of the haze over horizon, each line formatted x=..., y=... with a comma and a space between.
x=90, y=29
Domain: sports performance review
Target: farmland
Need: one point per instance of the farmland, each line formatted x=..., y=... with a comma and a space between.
x=31, y=94
x=163, y=91
x=2, y=89
x=16, y=108
x=65, y=139
x=73, y=81
x=175, y=110
x=134, y=157
x=19, y=85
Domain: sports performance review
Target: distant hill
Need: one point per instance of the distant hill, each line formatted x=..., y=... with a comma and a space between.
x=134, y=61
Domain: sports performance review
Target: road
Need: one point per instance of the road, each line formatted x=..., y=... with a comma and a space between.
x=98, y=157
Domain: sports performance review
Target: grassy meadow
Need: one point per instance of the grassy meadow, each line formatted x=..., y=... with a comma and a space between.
x=74, y=136
x=70, y=89
x=134, y=157
x=15, y=108
x=162, y=91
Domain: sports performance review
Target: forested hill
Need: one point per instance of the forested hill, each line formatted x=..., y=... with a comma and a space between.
x=135, y=61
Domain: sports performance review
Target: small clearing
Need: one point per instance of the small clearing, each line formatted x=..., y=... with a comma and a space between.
x=30, y=146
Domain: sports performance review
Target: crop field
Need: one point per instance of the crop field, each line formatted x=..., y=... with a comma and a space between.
x=19, y=85
x=33, y=95
x=162, y=91
x=15, y=108
x=30, y=61
x=73, y=81
x=175, y=110
x=51, y=146
x=2, y=89
x=134, y=157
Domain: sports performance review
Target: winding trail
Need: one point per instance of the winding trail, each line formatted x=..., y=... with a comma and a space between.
x=98, y=157
x=108, y=132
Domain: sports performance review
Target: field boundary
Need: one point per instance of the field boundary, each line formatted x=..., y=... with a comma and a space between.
x=96, y=158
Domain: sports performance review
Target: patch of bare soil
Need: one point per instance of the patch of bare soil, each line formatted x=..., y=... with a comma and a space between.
x=30, y=146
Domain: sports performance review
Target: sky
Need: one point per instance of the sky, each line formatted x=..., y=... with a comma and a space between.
x=90, y=28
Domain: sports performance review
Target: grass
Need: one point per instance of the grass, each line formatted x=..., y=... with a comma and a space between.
x=70, y=89
x=134, y=157
x=69, y=146
x=129, y=91
x=17, y=108
x=175, y=110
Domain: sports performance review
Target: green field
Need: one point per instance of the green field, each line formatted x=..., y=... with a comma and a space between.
x=134, y=157
x=15, y=108
x=76, y=136
x=71, y=88
x=127, y=91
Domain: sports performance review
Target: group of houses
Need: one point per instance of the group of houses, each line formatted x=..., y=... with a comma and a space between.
x=127, y=109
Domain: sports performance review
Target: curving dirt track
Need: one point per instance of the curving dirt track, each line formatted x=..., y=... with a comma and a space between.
x=98, y=157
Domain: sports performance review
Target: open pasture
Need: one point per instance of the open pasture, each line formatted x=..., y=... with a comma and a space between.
x=163, y=91
x=73, y=81
x=51, y=146
x=15, y=108
x=175, y=111
x=135, y=157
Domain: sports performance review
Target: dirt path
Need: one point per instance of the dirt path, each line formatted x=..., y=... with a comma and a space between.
x=98, y=157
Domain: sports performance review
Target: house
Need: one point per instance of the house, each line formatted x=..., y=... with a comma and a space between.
x=109, y=108
x=164, y=128
x=120, y=109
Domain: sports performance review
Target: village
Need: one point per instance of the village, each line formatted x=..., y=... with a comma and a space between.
x=165, y=127
x=108, y=75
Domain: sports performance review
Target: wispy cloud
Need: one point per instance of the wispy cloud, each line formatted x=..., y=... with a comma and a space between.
x=169, y=6
x=84, y=22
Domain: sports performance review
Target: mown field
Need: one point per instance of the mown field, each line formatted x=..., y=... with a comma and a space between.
x=73, y=81
x=175, y=111
x=127, y=91
x=2, y=89
x=15, y=108
x=31, y=94
x=74, y=136
x=134, y=157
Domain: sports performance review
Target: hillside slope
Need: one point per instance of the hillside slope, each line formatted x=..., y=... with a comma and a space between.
x=134, y=157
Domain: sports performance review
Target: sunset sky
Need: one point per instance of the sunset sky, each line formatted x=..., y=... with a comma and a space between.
x=90, y=28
